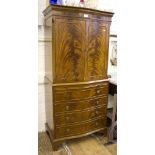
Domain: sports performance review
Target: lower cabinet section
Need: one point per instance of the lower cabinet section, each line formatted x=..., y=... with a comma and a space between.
x=77, y=110
x=77, y=129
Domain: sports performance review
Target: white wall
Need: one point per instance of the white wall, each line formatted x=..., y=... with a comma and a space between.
x=41, y=84
x=44, y=38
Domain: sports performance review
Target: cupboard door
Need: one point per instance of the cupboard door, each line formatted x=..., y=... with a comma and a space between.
x=68, y=51
x=97, y=50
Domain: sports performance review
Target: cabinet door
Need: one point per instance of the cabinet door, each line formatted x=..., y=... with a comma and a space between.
x=97, y=50
x=69, y=36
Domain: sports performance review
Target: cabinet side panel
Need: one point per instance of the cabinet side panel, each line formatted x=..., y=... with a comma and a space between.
x=48, y=49
x=49, y=105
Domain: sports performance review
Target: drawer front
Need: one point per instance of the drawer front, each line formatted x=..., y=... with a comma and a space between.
x=80, y=116
x=62, y=93
x=65, y=131
x=80, y=105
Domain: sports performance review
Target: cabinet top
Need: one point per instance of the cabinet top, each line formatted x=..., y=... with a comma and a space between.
x=72, y=9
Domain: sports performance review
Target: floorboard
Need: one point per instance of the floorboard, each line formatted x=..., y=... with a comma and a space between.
x=89, y=145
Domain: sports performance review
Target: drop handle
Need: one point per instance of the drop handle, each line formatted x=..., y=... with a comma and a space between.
x=98, y=91
x=68, y=130
x=67, y=107
x=97, y=112
x=67, y=118
x=97, y=102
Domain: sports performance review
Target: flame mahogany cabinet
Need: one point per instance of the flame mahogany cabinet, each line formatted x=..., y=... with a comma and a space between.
x=77, y=81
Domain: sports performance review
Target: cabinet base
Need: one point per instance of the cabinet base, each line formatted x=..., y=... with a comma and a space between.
x=56, y=143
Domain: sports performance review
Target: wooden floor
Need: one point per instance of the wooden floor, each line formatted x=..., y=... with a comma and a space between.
x=90, y=145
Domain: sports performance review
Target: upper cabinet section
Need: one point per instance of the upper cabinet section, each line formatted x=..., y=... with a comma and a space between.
x=80, y=40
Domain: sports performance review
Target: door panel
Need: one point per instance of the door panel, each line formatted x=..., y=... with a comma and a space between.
x=97, y=51
x=69, y=53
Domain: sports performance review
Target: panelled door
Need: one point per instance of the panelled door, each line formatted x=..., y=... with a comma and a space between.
x=80, y=50
x=97, y=50
x=69, y=50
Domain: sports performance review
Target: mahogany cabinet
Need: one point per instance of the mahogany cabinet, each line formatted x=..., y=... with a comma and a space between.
x=77, y=89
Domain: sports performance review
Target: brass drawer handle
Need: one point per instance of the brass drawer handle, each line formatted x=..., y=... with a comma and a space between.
x=97, y=102
x=98, y=91
x=67, y=130
x=97, y=112
x=67, y=118
x=67, y=107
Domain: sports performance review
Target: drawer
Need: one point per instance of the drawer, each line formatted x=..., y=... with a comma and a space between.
x=77, y=129
x=80, y=105
x=80, y=116
x=62, y=93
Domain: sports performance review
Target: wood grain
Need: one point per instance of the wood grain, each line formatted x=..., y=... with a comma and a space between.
x=79, y=92
x=87, y=146
x=69, y=55
x=73, y=106
x=80, y=116
x=82, y=128
x=97, y=51
x=81, y=146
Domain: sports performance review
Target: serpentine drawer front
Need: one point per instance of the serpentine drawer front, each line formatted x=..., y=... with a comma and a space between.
x=79, y=116
x=80, y=92
x=71, y=106
x=76, y=129
x=76, y=66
